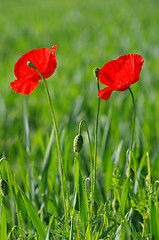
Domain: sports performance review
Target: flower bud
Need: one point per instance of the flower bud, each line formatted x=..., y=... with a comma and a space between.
x=4, y=187
x=96, y=72
x=115, y=204
x=77, y=143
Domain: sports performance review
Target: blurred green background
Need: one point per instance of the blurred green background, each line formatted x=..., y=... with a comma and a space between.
x=88, y=34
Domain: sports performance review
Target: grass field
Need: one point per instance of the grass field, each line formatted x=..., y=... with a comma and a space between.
x=88, y=34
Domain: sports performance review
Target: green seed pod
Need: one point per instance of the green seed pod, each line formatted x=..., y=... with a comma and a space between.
x=4, y=187
x=131, y=175
x=115, y=204
x=77, y=143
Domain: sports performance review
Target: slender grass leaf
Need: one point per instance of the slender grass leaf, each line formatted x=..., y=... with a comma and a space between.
x=108, y=174
x=154, y=222
x=47, y=236
x=124, y=196
x=124, y=231
x=105, y=134
x=13, y=190
x=3, y=224
x=21, y=161
x=21, y=206
x=34, y=216
x=10, y=180
x=71, y=230
x=47, y=153
x=46, y=163
x=100, y=228
x=88, y=233
x=82, y=201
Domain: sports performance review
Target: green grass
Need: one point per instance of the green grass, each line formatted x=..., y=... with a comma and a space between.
x=88, y=34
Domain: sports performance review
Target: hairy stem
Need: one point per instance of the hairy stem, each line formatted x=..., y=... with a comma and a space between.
x=61, y=164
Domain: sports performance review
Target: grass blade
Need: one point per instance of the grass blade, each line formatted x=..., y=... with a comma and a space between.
x=71, y=230
x=3, y=224
x=82, y=201
x=154, y=222
x=46, y=163
x=124, y=196
x=34, y=216
x=88, y=233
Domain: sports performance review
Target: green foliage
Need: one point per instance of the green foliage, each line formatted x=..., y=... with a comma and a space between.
x=3, y=224
x=34, y=216
x=88, y=34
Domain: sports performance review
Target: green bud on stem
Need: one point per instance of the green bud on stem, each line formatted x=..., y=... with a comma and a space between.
x=77, y=143
x=96, y=72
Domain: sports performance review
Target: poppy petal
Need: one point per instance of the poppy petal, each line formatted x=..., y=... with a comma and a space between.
x=133, y=65
x=105, y=93
x=121, y=73
x=24, y=86
x=53, y=49
x=107, y=74
x=43, y=59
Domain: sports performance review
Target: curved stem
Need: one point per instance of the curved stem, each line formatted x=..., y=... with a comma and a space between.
x=91, y=159
x=63, y=177
x=95, y=149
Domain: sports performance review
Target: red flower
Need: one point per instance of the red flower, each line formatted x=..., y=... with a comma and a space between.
x=28, y=78
x=120, y=74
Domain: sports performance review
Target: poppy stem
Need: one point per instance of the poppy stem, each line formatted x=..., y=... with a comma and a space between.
x=91, y=157
x=133, y=130
x=95, y=150
x=63, y=177
x=134, y=116
x=96, y=133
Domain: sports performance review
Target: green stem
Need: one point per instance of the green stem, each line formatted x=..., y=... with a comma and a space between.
x=134, y=116
x=148, y=168
x=91, y=159
x=63, y=177
x=85, y=185
x=157, y=192
x=133, y=129
x=95, y=149
x=135, y=169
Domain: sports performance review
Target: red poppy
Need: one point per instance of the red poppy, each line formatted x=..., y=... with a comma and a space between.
x=43, y=59
x=119, y=74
